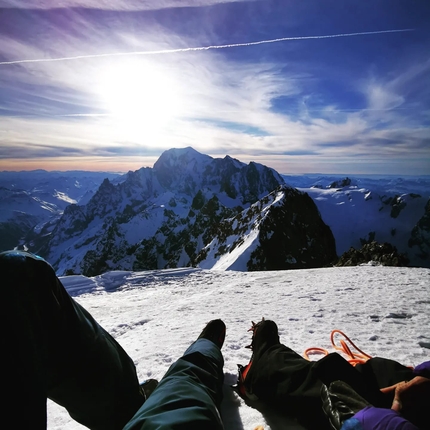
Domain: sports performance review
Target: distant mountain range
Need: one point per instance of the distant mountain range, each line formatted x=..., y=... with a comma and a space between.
x=385, y=209
x=194, y=210
x=31, y=203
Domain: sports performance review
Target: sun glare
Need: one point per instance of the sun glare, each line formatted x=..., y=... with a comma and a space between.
x=141, y=97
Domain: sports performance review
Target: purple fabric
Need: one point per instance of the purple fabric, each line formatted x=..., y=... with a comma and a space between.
x=423, y=369
x=372, y=418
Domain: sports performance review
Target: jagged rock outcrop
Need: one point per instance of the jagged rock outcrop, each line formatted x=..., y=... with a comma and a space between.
x=178, y=240
x=384, y=254
x=293, y=236
x=345, y=182
x=398, y=203
x=283, y=230
x=420, y=236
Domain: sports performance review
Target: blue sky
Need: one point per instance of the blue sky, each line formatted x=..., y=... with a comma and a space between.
x=329, y=86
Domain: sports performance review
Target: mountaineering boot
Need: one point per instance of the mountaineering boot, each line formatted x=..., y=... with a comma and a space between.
x=254, y=330
x=147, y=387
x=264, y=334
x=215, y=332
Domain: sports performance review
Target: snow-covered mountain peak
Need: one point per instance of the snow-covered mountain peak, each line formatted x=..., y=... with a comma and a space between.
x=156, y=217
x=234, y=161
x=187, y=171
x=183, y=159
x=181, y=156
x=181, y=169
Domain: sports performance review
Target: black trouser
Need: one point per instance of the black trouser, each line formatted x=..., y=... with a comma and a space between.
x=281, y=377
x=53, y=348
x=284, y=379
x=366, y=379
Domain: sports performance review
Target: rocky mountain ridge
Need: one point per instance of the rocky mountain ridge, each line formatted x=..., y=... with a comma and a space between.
x=192, y=209
x=165, y=216
x=283, y=230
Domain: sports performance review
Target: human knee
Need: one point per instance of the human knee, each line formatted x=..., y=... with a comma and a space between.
x=17, y=266
x=29, y=286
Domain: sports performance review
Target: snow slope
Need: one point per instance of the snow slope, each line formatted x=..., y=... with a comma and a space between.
x=155, y=315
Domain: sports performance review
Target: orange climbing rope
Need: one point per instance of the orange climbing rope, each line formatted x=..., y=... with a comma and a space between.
x=353, y=357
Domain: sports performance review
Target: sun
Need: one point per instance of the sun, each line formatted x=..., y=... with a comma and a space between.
x=140, y=96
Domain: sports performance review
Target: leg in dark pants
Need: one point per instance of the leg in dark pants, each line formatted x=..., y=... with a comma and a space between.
x=189, y=395
x=366, y=379
x=283, y=379
x=53, y=348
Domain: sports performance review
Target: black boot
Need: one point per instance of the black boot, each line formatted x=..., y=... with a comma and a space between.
x=215, y=332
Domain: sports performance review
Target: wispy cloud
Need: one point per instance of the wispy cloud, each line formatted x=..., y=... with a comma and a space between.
x=381, y=98
x=213, y=93
x=78, y=85
x=116, y=5
x=400, y=98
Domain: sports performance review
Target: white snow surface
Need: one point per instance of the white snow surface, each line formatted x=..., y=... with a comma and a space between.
x=155, y=316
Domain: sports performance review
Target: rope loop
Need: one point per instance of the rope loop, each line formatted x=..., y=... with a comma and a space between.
x=354, y=357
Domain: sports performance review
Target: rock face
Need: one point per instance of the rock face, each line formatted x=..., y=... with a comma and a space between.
x=420, y=237
x=384, y=254
x=281, y=231
x=345, y=182
x=166, y=217
x=293, y=236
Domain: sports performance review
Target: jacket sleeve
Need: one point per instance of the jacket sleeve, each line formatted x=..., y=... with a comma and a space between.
x=423, y=369
x=371, y=418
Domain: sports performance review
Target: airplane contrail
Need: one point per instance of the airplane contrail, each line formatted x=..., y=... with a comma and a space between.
x=202, y=48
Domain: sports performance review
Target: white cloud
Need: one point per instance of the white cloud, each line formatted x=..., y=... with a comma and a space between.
x=382, y=97
x=394, y=91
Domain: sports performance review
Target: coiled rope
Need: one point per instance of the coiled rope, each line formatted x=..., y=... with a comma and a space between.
x=354, y=357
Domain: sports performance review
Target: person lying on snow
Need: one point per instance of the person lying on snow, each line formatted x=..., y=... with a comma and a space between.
x=53, y=348
x=380, y=394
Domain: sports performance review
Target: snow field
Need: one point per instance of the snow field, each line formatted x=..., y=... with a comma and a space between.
x=155, y=315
